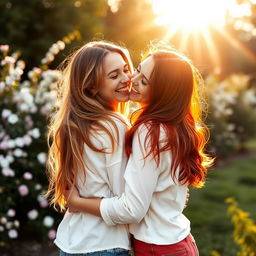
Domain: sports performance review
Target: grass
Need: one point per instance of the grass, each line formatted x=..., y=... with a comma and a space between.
x=206, y=209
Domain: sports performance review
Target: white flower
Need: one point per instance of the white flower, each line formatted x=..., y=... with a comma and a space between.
x=11, y=144
x=18, y=152
x=1, y=228
x=10, y=158
x=41, y=158
x=38, y=186
x=16, y=223
x=11, y=213
x=8, y=172
x=19, y=142
x=6, y=113
x=13, y=233
x=48, y=221
x=32, y=215
x=3, y=220
x=12, y=119
x=2, y=86
x=8, y=225
x=9, y=80
x=27, y=140
x=4, y=163
x=35, y=133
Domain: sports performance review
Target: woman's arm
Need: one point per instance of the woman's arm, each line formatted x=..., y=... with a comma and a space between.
x=140, y=181
x=75, y=203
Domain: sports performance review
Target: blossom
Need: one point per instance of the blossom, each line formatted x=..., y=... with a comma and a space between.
x=27, y=176
x=23, y=190
x=38, y=186
x=48, y=221
x=52, y=234
x=4, y=145
x=18, y=152
x=3, y=220
x=13, y=233
x=19, y=142
x=1, y=228
x=34, y=133
x=43, y=203
x=6, y=113
x=32, y=215
x=27, y=140
x=41, y=158
x=8, y=172
x=13, y=119
x=16, y=223
x=11, y=213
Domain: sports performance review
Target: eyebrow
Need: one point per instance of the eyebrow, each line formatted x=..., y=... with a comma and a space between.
x=139, y=67
x=116, y=70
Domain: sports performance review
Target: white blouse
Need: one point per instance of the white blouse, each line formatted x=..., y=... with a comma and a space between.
x=152, y=201
x=82, y=232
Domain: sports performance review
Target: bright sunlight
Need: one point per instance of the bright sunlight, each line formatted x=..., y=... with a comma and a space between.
x=192, y=15
x=194, y=20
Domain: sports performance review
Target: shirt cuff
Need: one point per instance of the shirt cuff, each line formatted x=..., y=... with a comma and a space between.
x=104, y=206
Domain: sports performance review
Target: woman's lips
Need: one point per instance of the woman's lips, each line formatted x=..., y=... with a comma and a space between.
x=123, y=90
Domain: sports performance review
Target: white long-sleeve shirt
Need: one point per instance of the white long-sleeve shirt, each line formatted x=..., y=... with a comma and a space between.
x=82, y=232
x=152, y=202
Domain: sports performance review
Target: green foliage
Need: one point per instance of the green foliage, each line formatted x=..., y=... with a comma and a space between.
x=206, y=209
x=31, y=26
x=24, y=108
x=232, y=112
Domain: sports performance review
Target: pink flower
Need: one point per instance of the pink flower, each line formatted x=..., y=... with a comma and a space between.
x=23, y=190
x=4, y=145
x=11, y=213
x=27, y=176
x=32, y=215
x=52, y=234
x=43, y=203
x=1, y=228
x=27, y=140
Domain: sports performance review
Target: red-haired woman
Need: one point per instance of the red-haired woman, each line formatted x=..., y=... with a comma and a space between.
x=87, y=146
x=166, y=154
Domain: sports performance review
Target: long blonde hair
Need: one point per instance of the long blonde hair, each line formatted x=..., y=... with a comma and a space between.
x=81, y=113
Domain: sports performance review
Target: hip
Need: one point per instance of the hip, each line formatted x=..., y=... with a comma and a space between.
x=186, y=247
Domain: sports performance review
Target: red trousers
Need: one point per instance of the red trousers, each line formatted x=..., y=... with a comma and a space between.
x=186, y=247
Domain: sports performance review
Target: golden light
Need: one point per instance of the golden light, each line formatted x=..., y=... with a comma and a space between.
x=193, y=20
x=191, y=14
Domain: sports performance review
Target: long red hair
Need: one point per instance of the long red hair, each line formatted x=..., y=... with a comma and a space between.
x=175, y=105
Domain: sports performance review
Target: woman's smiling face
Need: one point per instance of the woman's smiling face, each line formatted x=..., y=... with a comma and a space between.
x=116, y=80
x=140, y=91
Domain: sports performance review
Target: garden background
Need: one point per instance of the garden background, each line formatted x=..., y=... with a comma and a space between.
x=36, y=35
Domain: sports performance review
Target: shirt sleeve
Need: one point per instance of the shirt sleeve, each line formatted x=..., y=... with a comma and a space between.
x=141, y=176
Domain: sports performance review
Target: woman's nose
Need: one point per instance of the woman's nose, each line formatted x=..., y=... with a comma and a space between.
x=126, y=77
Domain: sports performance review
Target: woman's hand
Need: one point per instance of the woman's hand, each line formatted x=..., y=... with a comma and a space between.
x=72, y=196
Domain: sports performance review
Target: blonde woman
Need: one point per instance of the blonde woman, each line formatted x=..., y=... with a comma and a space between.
x=87, y=146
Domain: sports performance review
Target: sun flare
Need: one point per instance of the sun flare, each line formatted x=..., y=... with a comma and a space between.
x=191, y=15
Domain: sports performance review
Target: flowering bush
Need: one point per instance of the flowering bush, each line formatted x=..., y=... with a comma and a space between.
x=244, y=229
x=232, y=112
x=24, y=107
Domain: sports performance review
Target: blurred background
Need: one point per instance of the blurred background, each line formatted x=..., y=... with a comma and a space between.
x=220, y=38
